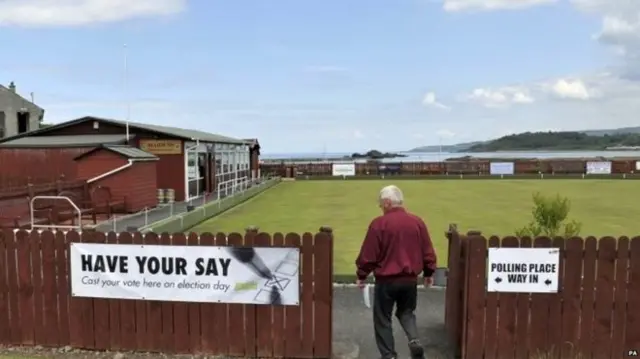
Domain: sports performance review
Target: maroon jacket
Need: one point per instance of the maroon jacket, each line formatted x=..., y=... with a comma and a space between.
x=397, y=247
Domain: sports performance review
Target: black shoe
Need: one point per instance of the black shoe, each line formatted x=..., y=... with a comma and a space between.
x=417, y=352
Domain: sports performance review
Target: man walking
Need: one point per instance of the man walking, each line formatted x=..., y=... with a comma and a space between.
x=397, y=248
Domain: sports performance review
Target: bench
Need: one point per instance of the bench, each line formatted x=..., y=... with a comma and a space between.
x=62, y=211
x=104, y=202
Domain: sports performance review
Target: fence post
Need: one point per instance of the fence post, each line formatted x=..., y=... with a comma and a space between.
x=328, y=230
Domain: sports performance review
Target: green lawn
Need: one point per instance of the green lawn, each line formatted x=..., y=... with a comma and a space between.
x=605, y=207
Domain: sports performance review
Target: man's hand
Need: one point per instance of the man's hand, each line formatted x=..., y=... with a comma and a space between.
x=360, y=283
x=428, y=282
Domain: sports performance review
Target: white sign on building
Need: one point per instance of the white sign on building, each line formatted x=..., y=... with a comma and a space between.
x=185, y=273
x=343, y=169
x=523, y=270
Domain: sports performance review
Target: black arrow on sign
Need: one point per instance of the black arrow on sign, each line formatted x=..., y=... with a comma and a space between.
x=498, y=279
x=547, y=282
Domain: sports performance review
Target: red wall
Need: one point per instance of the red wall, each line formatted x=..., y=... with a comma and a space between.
x=137, y=183
x=20, y=166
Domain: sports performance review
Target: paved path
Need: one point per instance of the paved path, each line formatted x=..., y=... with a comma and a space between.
x=353, y=322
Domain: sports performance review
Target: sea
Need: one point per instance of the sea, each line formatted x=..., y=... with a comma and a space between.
x=442, y=156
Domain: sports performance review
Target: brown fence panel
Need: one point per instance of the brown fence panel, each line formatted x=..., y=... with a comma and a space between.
x=604, y=305
x=571, y=290
x=128, y=323
x=293, y=314
x=492, y=300
x=523, y=327
x=25, y=288
x=36, y=285
x=506, y=314
x=588, y=296
x=278, y=331
x=453, y=309
x=633, y=295
x=323, y=295
x=307, y=254
x=181, y=330
x=5, y=330
x=249, y=310
x=620, y=296
x=474, y=301
x=554, y=331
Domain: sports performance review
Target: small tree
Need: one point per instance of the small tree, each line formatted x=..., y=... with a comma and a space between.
x=550, y=218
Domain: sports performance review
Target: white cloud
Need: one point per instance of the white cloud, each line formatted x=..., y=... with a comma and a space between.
x=430, y=100
x=500, y=97
x=487, y=5
x=49, y=13
x=571, y=89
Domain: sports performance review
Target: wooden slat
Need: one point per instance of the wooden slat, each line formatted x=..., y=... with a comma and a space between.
x=39, y=329
x=310, y=300
x=507, y=314
x=632, y=340
x=167, y=344
x=539, y=312
x=25, y=287
x=102, y=331
x=491, y=315
x=250, y=344
x=193, y=309
x=293, y=341
x=278, y=332
x=322, y=298
x=214, y=316
x=264, y=328
x=571, y=290
x=5, y=323
x=49, y=290
x=237, y=329
x=181, y=332
x=523, y=315
x=154, y=335
x=143, y=337
x=11, y=247
x=128, y=315
x=453, y=310
x=620, y=298
x=588, y=296
x=475, y=281
x=61, y=244
x=604, y=298
x=554, y=331
x=114, y=309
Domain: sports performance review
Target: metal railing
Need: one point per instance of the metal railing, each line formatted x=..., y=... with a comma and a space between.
x=55, y=226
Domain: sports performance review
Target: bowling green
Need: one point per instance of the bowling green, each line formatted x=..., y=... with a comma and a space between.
x=605, y=207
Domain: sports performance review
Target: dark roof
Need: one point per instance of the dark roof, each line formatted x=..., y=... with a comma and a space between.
x=4, y=89
x=125, y=151
x=188, y=135
x=63, y=141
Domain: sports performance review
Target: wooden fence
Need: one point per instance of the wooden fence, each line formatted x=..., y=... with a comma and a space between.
x=36, y=307
x=595, y=314
x=464, y=167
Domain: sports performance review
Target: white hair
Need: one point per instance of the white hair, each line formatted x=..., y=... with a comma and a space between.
x=393, y=194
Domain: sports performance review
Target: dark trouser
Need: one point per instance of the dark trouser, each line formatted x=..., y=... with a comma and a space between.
x=404, y=296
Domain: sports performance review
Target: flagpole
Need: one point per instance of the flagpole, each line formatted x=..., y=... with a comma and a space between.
x=126, y=91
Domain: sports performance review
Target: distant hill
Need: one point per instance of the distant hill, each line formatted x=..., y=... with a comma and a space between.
x=460, y=147
x=474, y=146
x=616, y=131
x=557, y=141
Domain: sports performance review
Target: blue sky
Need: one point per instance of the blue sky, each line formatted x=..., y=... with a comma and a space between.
x=334, y=75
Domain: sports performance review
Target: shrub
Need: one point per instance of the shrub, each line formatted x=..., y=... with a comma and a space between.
x=550, y=218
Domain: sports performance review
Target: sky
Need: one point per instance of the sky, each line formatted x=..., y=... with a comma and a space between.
x=332, y=75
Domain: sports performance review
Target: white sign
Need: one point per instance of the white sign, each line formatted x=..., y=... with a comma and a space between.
x=501, y=168
x=598, y=168
x=637, y=165
x=343, y=169
x=523, y=270
x=185, y=273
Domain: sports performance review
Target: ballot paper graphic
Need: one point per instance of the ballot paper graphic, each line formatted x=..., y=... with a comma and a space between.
x=366, y=295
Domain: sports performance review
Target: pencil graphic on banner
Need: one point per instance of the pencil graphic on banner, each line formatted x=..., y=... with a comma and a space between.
x=250, y=258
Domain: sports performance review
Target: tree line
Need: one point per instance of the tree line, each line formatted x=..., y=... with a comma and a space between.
x=557, y=141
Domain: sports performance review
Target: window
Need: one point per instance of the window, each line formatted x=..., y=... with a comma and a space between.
x=3, y=124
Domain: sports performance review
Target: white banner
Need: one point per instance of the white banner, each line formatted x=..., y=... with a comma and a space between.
x=599, y=168
x=186, y=273
x=501, y=168
x=343, y=169
x=523, y=270
x=637, y=165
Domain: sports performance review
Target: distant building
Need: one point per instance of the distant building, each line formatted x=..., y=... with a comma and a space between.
x=17, y=114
